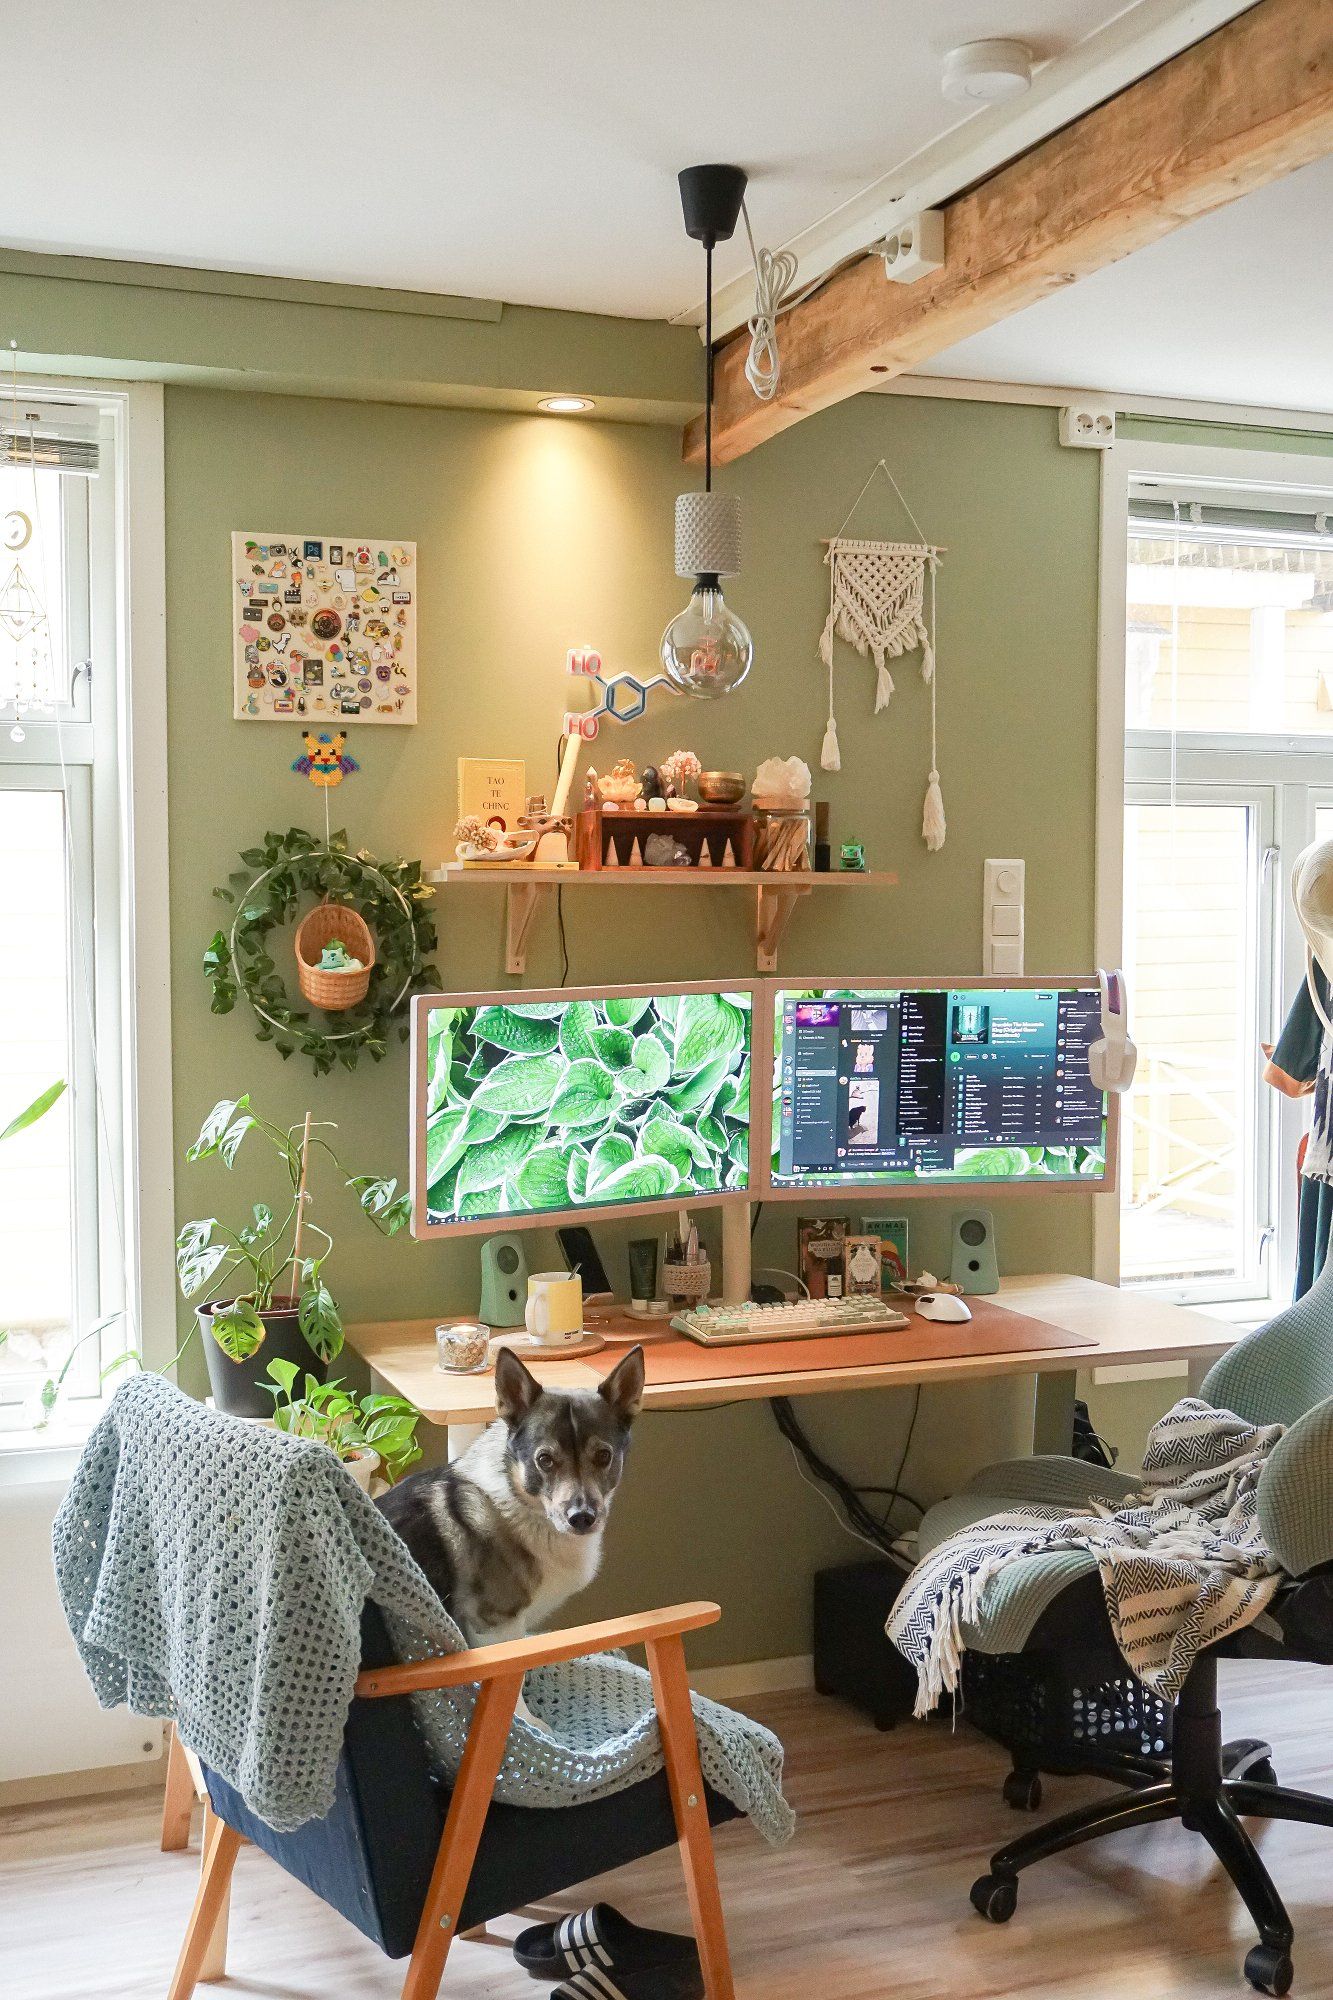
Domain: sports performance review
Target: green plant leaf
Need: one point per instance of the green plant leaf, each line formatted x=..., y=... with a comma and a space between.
x=284, y=1373
x=623, y=1010
x=238, y=1329
x=321, y=1322
x=641, y=1180
x=543, y=1179
x=520, y=1087
x=652, y=1062
x=992, y=1163
x=613, y=1046
x=613, y=1150
x=37, y=1109
x=669, y=1140
x=575, y=1030
x=707, y=1026
x=696, y=1093
x=584, y=1096
x=214, y=1127
x=487, y=1165
x=515, y=1029
x=197, y=1257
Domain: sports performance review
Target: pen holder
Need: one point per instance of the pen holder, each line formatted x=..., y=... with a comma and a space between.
x=687, y=1281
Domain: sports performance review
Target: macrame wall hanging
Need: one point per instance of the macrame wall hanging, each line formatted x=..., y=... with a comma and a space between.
x=882, y=602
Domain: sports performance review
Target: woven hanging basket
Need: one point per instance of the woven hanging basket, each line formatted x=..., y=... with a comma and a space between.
x=333, y=991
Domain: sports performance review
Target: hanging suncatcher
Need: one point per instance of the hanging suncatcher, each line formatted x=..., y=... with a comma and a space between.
x=882, y=602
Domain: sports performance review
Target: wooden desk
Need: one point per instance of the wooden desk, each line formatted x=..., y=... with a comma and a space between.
x=1125, y=1327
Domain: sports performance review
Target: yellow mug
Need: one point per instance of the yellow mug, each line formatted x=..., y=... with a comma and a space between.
x=554, y=1314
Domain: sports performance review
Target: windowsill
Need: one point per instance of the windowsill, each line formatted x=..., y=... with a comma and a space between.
x=37, y=1458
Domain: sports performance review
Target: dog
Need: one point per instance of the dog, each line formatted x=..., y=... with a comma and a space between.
x=510, y=1530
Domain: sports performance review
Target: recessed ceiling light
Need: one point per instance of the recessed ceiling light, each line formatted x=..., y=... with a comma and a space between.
x=565, y=406
x=986, y=72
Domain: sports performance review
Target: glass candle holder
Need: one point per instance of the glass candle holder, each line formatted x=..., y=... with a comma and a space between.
x=463, y=1346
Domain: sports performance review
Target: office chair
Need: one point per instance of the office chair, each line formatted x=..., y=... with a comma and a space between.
x=1053, y=1603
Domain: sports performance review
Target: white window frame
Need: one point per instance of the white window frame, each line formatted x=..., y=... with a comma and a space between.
x=135, y=1145
x=1293, y=768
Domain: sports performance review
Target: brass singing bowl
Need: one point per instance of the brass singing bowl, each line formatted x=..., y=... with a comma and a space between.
x=721, y=788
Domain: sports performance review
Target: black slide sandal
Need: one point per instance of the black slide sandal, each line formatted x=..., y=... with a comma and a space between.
x=645, y=1982
x=603, y=1940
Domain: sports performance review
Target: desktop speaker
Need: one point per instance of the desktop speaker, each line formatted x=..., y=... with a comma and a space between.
x=504, y=1281
x=974, y=1266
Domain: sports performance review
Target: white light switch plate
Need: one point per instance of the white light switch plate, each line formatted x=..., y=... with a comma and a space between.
x=1002, y=917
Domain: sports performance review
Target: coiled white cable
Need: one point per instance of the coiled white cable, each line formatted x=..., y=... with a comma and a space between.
x=774, y=273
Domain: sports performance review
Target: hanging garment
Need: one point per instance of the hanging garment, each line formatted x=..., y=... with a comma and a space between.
x=1301, y=1065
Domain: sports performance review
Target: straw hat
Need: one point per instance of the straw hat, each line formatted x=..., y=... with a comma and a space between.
x=1312, y=896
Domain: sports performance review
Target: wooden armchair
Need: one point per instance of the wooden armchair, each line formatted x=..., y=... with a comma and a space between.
x=412, y=1860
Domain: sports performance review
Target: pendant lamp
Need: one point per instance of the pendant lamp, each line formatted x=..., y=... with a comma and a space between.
x=706, y=649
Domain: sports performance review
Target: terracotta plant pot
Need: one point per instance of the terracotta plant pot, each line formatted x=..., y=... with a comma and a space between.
x=236, y=1384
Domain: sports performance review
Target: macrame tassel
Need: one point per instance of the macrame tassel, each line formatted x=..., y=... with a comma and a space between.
x=829, y=758
x=883, y=687
x=927, y=655
x=932, y=819
x=826, y=642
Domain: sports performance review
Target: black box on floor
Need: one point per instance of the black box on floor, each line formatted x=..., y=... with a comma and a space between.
x=854, y=1658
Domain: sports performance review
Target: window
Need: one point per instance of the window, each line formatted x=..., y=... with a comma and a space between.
x=60, y=889
x=1228, y=679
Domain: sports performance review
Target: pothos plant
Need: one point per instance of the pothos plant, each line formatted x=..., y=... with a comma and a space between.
x=270, y=886
x=249, y=1262
x=347, y=1423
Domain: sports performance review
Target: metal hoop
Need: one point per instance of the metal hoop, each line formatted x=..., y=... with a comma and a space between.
x=367, y=868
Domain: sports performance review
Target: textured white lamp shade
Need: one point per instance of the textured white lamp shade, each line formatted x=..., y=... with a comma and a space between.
x=708, y=534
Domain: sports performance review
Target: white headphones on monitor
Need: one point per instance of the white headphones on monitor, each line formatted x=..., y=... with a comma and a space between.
x=1113, y=1059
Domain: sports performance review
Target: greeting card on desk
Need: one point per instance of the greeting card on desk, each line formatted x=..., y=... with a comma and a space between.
x=493, y=790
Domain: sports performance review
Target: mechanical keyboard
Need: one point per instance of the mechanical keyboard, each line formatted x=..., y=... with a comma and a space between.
x=794, y=1319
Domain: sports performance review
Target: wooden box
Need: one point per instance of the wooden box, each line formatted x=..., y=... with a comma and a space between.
x=710, y=826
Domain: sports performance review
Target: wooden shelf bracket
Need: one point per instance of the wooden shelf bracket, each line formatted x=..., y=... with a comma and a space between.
x=772, y=914
x=522, y=901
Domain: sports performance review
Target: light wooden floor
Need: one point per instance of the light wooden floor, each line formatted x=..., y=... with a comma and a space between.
x=869, y=1900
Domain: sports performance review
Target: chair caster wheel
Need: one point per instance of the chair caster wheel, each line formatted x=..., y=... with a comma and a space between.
x=1250, y=1758
x=995, y=1897
x=1267, y=1967
x=1022, y=1791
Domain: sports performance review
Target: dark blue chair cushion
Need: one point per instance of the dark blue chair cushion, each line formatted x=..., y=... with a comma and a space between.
x=371, y=1856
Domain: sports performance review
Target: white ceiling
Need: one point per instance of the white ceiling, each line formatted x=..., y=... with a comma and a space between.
x=513, y=149
x=1234, y=308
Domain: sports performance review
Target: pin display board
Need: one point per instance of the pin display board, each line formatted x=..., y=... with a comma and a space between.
x=324, y=628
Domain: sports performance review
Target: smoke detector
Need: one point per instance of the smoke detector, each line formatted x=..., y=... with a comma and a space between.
x=986, y=72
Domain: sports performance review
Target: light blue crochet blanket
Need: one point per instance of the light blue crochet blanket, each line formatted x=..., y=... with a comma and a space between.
x=215, y=1572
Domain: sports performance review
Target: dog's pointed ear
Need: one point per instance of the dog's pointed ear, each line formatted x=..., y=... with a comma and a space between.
x=623, y=1387
x=516, y=1388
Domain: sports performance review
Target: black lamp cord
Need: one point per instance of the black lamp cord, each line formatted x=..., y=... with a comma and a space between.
x=708, y=369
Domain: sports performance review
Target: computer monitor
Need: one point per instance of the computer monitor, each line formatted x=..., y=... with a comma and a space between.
x=532, y=1107
x=923, y=1086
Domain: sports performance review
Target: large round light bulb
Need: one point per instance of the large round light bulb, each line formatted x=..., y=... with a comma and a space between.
x=706, y=649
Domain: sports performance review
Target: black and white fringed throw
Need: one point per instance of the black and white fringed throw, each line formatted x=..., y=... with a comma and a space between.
x=1182, y=1561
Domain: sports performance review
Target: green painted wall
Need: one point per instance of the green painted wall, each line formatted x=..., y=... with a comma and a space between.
x=535, y=534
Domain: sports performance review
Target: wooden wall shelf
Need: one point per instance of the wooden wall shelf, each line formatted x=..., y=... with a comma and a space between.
x=775, y=897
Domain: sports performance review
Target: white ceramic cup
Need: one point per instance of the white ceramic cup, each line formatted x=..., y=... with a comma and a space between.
x=554, y=1312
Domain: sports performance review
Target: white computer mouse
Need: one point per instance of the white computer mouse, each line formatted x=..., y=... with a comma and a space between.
x=943, y=1305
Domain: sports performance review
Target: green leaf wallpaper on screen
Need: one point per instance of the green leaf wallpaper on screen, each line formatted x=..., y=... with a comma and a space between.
x=550, y=1104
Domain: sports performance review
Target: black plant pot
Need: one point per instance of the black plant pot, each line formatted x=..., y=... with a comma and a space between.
x=236, y=1385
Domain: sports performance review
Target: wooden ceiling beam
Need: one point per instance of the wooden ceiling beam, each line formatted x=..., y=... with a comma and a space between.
x=1249, y=104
